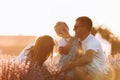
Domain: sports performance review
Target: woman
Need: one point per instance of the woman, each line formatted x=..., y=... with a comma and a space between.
x=36, y=55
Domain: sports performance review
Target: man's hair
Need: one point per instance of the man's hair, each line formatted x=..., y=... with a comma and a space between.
x=85, y=21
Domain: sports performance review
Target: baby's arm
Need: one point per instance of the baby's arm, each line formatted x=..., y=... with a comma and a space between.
x=65, y=49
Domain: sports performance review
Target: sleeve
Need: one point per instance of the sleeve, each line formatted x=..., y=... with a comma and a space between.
x=24, y=52
x=92, y=46
x=61, y=42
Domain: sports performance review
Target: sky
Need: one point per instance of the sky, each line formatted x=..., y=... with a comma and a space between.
x=38, y=17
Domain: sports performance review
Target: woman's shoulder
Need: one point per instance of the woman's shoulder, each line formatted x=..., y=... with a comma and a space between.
x=24, y=52
x=29, y=46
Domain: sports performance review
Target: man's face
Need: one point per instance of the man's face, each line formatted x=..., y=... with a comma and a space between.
x=79, y=29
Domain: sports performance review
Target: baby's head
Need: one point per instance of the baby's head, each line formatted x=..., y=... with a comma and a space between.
x=61, y=29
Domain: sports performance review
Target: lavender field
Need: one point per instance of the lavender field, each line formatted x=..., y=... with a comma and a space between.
x=12, y=69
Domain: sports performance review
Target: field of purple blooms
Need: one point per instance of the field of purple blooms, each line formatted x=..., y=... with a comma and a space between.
x=12, y=69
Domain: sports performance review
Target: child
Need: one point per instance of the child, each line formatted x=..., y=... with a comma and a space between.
x=67, y=47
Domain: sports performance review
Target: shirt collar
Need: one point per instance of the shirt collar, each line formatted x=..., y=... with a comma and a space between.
x=86, y=38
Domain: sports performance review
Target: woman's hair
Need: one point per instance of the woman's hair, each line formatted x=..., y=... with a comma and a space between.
x=42, y=49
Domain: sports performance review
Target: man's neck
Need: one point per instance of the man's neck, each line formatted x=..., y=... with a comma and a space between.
x=84, y=36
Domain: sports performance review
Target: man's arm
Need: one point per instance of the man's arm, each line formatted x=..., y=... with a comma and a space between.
x=85, y=59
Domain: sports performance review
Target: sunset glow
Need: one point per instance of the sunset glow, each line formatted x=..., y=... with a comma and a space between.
x=29, y=17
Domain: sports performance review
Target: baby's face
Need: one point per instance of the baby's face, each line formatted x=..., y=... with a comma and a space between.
x=62, y=31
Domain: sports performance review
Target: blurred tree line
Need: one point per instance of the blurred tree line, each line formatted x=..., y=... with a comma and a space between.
x=109, y=36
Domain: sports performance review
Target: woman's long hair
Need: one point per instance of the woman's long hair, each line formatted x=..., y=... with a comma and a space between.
x=42, y=49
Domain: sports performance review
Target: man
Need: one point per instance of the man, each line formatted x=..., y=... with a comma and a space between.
x=94, y=57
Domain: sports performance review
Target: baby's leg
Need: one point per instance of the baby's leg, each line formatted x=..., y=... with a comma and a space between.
x=82, y=73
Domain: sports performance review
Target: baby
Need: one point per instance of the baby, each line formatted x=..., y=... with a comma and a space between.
x=67, y=48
